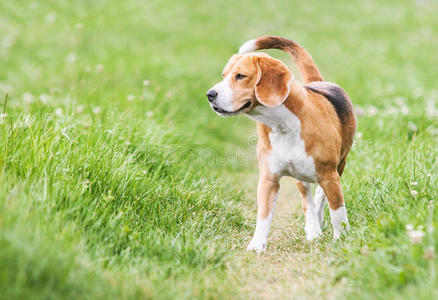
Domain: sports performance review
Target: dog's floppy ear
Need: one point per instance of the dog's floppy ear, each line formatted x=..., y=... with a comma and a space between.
x=272, y=87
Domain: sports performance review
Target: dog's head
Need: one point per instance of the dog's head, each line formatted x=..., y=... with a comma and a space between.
x=249, y=80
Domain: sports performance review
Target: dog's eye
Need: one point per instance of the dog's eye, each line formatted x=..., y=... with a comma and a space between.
x=240, y=76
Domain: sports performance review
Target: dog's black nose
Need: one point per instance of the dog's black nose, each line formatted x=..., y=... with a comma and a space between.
x=211, y=95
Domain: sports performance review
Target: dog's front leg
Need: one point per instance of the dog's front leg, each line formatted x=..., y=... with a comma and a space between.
x=267, y=194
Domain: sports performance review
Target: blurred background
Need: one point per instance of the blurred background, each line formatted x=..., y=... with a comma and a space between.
x=118, y=180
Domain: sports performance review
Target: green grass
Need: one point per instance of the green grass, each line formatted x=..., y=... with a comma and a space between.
x=118, y=181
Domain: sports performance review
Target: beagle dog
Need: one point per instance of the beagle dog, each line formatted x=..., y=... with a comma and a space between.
x=305, y=130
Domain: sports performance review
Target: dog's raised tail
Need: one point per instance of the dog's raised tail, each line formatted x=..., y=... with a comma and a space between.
x=306, y=66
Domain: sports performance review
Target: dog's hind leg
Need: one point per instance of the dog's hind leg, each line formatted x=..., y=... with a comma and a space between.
x=313, y=227
x=330, y=182
x=320, y=200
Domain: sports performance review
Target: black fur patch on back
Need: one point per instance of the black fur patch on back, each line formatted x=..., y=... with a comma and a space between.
x=336, y=96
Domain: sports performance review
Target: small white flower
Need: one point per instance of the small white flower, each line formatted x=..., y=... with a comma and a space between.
x=59, y=112
x=149, y=114
x=429, y=253
x=372, y=110
x=414, y=183
x=97, y=110
x=99, y=68
x=409, y=227
x=412, y=126
x=80, y=109
x=380, y=123
x=391, y=110
x=50, y=18
x=364, y=251
x=359, y=135
x=404, y=110
x=414, y=193
x=3, y=117
x=400, y=100
x=360, y=111
x=416, y=236
x=8, y=41
x=431, y=110
x=146, y=82
x=131, y=97
x=71, y=58
x=86, y=123
x=28, y=97
x=44, y=98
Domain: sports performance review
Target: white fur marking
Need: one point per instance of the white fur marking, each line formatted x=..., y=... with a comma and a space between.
x=263, y=226
x=224, y=94
x=288, y=155
x=249, y=46
x=339, y=221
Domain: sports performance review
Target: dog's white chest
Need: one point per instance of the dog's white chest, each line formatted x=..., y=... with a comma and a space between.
x=288, y=156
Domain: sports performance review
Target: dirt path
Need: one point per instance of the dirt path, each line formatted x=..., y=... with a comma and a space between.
x=292, y=267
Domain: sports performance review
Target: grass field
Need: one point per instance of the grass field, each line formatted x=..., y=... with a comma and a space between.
x=118, y=181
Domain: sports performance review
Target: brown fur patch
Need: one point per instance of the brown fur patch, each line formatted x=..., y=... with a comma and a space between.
x=303, y=194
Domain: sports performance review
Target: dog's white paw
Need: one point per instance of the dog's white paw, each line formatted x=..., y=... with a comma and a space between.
x=312, y=228
x=257, y=245
x=339, y=221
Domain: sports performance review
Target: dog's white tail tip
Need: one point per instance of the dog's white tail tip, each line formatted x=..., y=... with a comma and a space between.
x=249, y=46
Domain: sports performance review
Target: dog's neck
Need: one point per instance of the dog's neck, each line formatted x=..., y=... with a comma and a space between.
x=282, y=118
x=279, y=119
